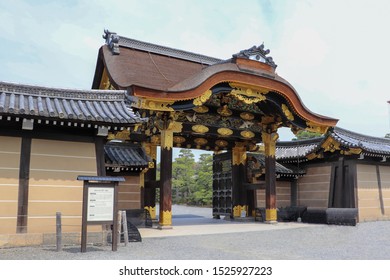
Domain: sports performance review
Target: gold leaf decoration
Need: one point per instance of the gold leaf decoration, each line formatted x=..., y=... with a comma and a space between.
x=200, y=141
x=287, y=112
x=247, y=134
x=179, y=139
x=202, y=99
x=198, y=128
x=224, y=131
x=224, y=111
x=201, y=109
x=221, y=143
x=247, y=116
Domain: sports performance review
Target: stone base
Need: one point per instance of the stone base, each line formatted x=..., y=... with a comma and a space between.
x=271, y=222
x=164, y=227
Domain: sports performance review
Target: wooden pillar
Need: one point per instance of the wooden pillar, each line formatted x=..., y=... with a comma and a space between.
x=165, y=218
x=269, y=139
x=100, y=157
x=148, y=197
x=239, y=194
x=24, y=177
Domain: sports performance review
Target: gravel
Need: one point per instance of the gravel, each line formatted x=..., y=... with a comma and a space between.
x=366, y=241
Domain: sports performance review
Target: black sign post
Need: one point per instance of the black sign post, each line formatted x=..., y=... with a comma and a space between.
x=100, y=205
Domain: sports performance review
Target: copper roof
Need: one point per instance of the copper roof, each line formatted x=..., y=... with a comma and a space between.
x=166, y=51
x=97, y=106
x=159, y=73
x=145, y=69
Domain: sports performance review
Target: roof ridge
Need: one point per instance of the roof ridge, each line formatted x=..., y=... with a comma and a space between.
x=359, y=136
x=34, y=90
x=167, y=51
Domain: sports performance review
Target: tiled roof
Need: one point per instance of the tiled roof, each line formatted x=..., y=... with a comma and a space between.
x=125, y=155
x=97, y=106
x=281, y=169
x=368, y=144
x=297, y=149
x=374, y=146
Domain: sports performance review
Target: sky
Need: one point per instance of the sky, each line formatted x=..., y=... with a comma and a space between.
x=336, y=54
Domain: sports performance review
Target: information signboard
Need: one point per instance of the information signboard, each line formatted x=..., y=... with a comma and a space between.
x=100, y=204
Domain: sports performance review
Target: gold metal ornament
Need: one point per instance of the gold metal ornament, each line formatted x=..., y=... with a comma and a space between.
x=200, y=141
x=165, y=218
x=247, y=116
x=316, y=128
x=178, y=139
x=201, y=109
x=247, y=134
x=224, y=131
x=287, y=112
x=224, y=111
x=202, y=99
x=221, y=143
x=199, y=128
x=121, y=135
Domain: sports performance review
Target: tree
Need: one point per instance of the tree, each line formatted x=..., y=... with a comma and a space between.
x=203, y=188
x=387, y=135
x=183, y=176
x=304, y=134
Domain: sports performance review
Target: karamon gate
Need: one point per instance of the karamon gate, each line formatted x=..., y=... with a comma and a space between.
x=199, y=102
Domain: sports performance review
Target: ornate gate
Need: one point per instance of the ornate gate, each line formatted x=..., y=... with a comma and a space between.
x=222, y=185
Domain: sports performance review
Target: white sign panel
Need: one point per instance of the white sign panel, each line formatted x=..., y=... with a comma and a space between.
x=100, y=204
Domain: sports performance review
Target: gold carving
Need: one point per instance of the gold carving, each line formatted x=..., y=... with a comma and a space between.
x=287, y=112
x=316, y=128
x=165, y=218
x=121, y=135
x=221, y=143
x=247, y=134
x=200, y=141
x=271, y=215
x=202, y=99
x=247, y=116
x=152, y=211
x=201, y=109
x=239, y=154
x=151, y=151
x=179, y=140
x=166, y=139
x=330, y=145
x=248, y=94
x=225, y=131
x=154, y=105
x=224, y=111
x=175, y=126
x=267, y=119
x=247, y=100
x=352, y=151
x=155, y=139
x=238, y=210
x=198, y=128
x=269, y=140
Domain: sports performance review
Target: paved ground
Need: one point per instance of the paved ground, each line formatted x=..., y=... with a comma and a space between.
x=195, y=235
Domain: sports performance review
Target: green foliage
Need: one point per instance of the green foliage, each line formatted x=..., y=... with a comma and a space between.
x=203, y=189
x=304, y=134
x=183, y=176
x=192, y=181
